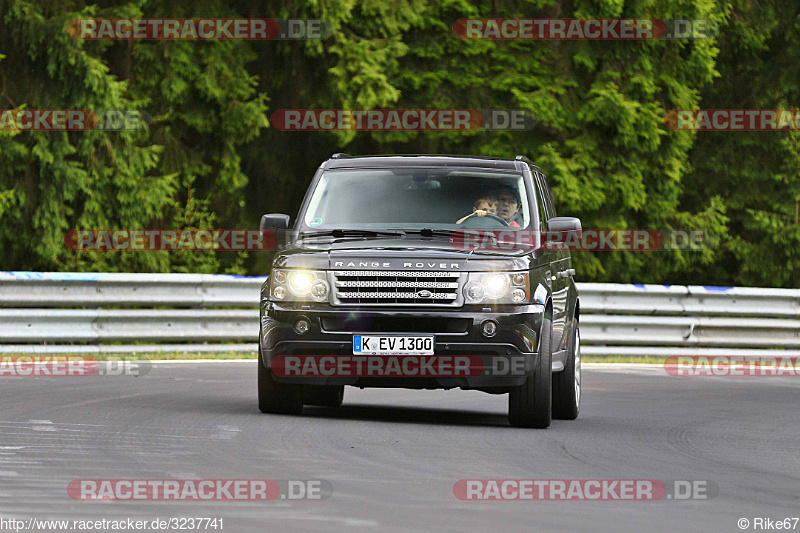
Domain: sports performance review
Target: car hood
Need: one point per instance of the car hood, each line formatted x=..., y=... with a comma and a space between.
x=398, y=254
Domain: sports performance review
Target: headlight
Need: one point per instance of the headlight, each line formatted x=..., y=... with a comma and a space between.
x=320, y=290
x=474, y=292
x=300, y=282
x=279, y=292
x=497, y=287
x=299, y=285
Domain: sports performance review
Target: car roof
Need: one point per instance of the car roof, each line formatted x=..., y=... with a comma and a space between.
x=393, y=161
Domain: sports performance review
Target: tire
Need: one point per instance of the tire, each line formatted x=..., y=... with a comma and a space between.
x=323, y=395
x=567, y=383
x=529, y=405
x=274, y=397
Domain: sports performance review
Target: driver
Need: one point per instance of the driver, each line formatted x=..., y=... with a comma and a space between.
x=508, y=205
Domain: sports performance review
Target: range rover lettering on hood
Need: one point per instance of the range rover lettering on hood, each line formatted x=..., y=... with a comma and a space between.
x=397, y=264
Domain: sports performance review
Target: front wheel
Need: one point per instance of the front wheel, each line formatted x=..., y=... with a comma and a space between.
x=567, y=383
x=529, y=405
x=274, y=397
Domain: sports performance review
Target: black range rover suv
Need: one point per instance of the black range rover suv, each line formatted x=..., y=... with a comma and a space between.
x=370, y=287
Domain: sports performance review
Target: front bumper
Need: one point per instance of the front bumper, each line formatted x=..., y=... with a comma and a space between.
x=507, y=358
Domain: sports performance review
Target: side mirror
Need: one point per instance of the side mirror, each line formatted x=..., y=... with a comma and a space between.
x=274, y=222
x=564, y=224
x=559, y=230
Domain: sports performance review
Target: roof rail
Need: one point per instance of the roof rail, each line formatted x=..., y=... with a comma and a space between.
x=340, y=155
x=531, y=164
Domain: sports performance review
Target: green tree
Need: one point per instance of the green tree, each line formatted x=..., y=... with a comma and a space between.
x=184, y=170
x=756, y=174
x=210, y=160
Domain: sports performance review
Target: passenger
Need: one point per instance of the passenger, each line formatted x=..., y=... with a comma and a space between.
x=483, y=206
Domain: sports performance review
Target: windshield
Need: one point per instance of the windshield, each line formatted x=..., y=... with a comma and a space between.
x=416, y=198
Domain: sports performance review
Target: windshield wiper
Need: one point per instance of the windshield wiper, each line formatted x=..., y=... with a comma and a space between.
x=431, y=232
x=448, y=233
x=342, y=233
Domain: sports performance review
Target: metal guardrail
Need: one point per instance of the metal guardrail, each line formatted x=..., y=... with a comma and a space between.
x=67, y=289
x=41, y=312
x=689, y=331
x=692, y=300
x=127, y=325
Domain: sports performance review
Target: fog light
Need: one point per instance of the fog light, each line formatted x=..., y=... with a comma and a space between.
x=302, y=325
x=489, y=328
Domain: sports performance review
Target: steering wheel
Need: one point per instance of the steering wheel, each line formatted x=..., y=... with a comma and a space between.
x=488, y=221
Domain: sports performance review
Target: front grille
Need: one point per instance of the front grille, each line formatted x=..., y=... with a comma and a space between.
x=396, y=287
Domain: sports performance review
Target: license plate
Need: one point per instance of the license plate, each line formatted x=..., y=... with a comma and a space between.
x=393, y=344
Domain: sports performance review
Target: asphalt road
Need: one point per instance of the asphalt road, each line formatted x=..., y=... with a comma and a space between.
x=393, y=456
